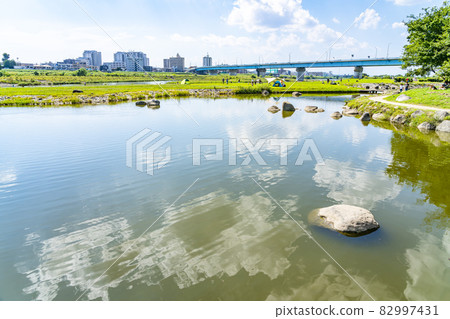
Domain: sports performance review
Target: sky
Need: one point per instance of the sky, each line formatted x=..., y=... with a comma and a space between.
x=231, y=31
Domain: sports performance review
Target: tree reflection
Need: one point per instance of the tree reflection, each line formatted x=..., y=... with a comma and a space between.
x=426, y=168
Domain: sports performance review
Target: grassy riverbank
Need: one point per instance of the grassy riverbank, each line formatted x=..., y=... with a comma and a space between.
x=62, y=95
x=427, y=97
x=387, y=113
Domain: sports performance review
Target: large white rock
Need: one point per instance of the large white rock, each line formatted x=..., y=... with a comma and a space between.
x=444, y=127
x=379, y=117
x=402, y=98
x=441, y=115
x=347, y=219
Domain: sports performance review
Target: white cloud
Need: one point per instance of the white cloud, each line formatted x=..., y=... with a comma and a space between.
x=285, y=19
x=408, y=2
x=268, y=15
x=335, y=20
x=369, y=19
x=398, y=25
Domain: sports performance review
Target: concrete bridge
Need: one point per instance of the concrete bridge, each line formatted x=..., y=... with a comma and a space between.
x=301, y=67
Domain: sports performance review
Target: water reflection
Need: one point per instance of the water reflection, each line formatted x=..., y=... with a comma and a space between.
x=213, y=235
x=429, y=268
x=348, y=184
x=426, y=169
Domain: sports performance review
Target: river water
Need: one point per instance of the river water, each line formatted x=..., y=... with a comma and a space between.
x=78, y=223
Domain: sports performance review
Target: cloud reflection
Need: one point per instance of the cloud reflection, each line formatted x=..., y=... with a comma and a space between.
x=350, y=185
x=213, y=235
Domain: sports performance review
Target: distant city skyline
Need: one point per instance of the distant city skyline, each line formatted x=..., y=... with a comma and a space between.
x=231, y=31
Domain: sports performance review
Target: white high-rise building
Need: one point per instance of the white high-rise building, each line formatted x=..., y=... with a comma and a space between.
x=94, y=57
x=176, y=64
x=133, y=61
x=207, y=60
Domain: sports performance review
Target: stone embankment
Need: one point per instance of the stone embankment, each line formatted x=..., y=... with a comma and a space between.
x=425, y=119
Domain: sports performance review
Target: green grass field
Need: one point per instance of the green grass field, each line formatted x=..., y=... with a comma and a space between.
x=46, y=95
x=29, y=88
x=437, y=98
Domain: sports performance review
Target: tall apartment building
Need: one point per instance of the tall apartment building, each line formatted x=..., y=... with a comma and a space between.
x=120, y=57
x=207, y=60
x=133, y=61
x=94, y=57
x=175, y=64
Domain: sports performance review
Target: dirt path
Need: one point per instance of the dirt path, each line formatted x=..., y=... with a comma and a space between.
x=380, y=98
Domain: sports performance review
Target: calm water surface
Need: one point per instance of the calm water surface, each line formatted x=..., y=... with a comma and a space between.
x=70, y=207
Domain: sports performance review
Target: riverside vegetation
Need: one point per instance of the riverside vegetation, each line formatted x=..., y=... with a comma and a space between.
x=43, y=94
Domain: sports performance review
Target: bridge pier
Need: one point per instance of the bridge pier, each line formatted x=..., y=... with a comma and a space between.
x=358, y=72
x=233, y=72
x=261, y=72
x=300, y=74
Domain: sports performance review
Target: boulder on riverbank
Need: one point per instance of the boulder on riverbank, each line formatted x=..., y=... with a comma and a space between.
x=296, y=94
x=417, y=114
x=402, y=98
x=444, y=127
x=273, y=109
x=379, y=117
x=399, y=119
x=265, y=93
x=288, y=107
x=320, y=110
x=346, y=219
x=336, y=115
x=426, y=126
x=441, y=115
x=311, y=109
x=365, y=117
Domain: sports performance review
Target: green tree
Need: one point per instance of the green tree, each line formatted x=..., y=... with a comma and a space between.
x=9, y=64
x=5, y=57
x=82, y=72
x=428, y=49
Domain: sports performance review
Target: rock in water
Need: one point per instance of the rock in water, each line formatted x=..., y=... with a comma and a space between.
x=288, y=107
x=350, y=112
x=320, y=110
x=296, y=94
x=348, y=220
x=273, y=109
x=141, y=103
x=402, y=98
x=444, y=127
x=336, y=115
x=365, y=117
x=311, y=109
x=153, y=103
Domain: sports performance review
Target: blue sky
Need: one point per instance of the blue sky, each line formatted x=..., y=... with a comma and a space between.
x=231, y=31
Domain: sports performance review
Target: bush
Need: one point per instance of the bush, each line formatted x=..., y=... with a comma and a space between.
x=81, y=72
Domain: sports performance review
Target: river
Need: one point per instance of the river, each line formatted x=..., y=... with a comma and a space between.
x=78, y=223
